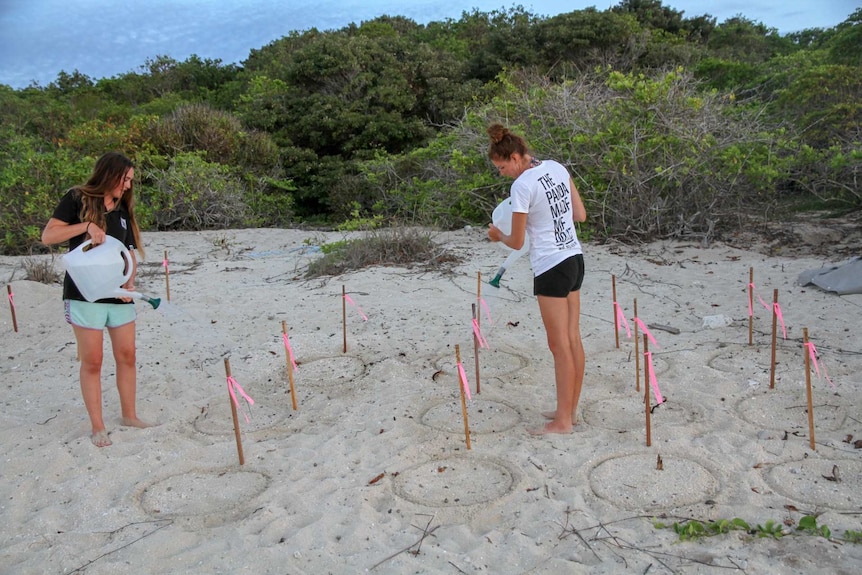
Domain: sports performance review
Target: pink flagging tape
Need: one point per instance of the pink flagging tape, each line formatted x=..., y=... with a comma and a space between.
x=289, y=350
x=652, y=379
x=644, y=329
x=812, y=351
x=233, y=385
x=463, y=376
x=351, y=302
x=760, y=299
x=780, y=318
x=478, y=333
x=621, y=319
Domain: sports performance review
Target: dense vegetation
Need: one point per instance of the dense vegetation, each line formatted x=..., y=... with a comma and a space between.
x=672, y=126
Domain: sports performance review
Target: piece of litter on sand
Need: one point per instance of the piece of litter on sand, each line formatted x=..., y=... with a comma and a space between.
x=667, y=328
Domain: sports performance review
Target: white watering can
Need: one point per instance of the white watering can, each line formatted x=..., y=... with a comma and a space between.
x=502, y=218
x=100, y=270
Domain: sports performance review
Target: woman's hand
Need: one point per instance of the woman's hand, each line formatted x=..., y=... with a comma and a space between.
x=494, y=233
x=97, y=234
x=129, y=286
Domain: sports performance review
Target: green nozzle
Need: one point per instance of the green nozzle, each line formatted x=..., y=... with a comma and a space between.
x=496, y=281
x=153, y=301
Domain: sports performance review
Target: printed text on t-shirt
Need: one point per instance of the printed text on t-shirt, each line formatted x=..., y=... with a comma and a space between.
x=559, y=203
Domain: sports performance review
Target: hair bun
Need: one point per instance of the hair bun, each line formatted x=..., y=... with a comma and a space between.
x=497, y=132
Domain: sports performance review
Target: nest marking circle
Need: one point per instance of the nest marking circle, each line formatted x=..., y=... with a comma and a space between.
x=633, y=482
x=455, y=482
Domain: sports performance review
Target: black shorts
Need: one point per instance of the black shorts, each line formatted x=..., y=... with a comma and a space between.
x=562, y=279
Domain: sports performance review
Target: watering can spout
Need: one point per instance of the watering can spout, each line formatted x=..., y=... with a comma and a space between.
x=153, y=301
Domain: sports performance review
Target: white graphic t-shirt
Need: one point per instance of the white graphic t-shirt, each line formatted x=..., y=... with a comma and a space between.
x=542, y=192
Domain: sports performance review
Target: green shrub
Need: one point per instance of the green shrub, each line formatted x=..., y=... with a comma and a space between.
x=399, y=246
x=192, y=194
x=33, y=178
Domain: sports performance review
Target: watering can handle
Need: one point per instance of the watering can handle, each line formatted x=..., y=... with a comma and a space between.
x=124, y=253
x=127, y=257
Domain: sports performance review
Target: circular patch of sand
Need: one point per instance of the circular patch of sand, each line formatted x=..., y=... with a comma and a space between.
x=492, y=363
x=634, y=482
x=626, y=414
x=455, y=482
x=483, y=416
x=217, y=418
x=781, y=409
x=830, y=483
x=212, y=497
x=328, y=372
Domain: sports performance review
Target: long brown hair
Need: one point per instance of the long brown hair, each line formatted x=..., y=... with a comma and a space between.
x=108, y=173
x=504, y=143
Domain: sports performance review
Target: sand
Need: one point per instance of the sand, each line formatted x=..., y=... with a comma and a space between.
x=372, y=474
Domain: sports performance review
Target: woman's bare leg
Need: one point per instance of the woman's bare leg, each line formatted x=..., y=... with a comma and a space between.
x=555, y=315
x=124, y=348
x=576, y=345
x=90, y=353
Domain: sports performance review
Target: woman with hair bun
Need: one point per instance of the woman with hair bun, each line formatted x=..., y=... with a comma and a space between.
x=545, y=206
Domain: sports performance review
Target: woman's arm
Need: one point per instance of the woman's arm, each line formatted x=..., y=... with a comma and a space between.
x=130, y=284
x=57, y=231
x=515, y=240
x=579, y=212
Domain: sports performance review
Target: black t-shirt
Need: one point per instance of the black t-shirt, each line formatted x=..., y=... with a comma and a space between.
x=69, y=211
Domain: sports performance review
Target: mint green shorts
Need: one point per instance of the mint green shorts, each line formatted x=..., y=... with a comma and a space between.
x=98, y=315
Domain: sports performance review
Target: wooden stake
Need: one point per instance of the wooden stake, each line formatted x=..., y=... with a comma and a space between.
x=774, y=338
x=476, y=346
x=637, y=353
x=12, y=308
x=344, y=315
x=646, y=394
x=235, y=418
x=167, y=278
x=751, y=306
x=616, y=321
x=479, y=297
x=808, y=387
x=463, y=397
x=289, y=367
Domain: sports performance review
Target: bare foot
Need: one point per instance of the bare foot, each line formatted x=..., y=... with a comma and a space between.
x=549, y=428
x=553, y=415
x=135, y=422
x=100, y=438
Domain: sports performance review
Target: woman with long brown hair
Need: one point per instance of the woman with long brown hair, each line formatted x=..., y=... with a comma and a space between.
x=545, y=205
x=103, y=206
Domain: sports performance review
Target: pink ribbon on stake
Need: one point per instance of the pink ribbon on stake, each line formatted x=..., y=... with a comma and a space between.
x=350, y=301
x=812, y=351
x=644, y=329
x=780, y=318
x=289, y=350
x=231, y=385
x=760, y=299
x=463, y=376
x=478, y=333
x=11, y=301
x=487, y=311
x=165, y=263
x=621, y=319
x=652, y=379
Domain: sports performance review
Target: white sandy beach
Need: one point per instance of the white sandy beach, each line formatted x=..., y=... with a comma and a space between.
x=371, y=474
